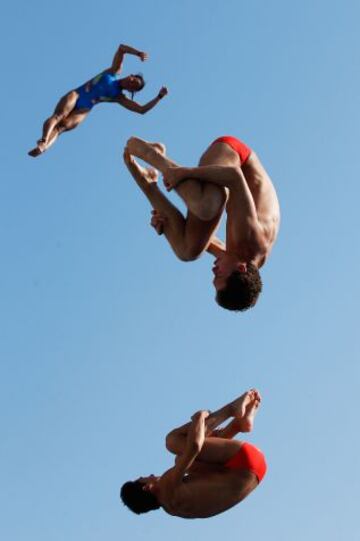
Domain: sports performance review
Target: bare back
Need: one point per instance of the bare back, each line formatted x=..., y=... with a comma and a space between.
x=260, y=189
x=206, y=493
x=264, y=195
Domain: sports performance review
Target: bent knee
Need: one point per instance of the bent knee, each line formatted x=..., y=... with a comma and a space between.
x=170, y=443
x=174, y=443
x=69, y=123
x=236, y=172
x=58, y=117
x=53, y=118
x=61, y=127
x=160, y=147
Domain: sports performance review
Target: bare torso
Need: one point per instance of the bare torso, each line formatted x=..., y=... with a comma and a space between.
x=206, y=491
x=265, y=200
x=264, y=194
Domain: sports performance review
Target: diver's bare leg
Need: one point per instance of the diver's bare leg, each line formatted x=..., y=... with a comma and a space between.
x=176, y=439
x=69, y=123
x=205, y=201
x=151, y=153
x=62, y=111
x=155, y=155
x=241, y=424
x=175, y=226
x=189, y=237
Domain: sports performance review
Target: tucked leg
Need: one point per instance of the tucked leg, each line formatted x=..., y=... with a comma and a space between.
x=239, y=409
x=205, y=201
x=188, y=237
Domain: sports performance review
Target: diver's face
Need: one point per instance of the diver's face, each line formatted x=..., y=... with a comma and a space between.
x=223, y=267
x=132, y=83
x=149, y=482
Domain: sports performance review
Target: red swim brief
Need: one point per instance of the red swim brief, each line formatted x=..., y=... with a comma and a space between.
x=240, y=148
x=248, y=458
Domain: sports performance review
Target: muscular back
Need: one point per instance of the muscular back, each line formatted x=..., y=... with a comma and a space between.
x=239, y=237
x=205, y=494
x=264, y=195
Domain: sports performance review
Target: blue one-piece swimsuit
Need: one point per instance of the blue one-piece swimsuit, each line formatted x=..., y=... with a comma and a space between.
x=104, y=87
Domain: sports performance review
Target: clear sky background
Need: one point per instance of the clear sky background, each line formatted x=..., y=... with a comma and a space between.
x=107, y=340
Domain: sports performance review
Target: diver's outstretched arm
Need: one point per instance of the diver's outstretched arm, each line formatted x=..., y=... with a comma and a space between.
x=119, y=57
x=141, y=109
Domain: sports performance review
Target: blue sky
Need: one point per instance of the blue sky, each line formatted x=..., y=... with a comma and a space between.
x=107, y=340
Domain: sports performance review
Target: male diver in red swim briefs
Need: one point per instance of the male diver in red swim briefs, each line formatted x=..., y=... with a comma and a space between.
x=230, y=175
x=212, y=471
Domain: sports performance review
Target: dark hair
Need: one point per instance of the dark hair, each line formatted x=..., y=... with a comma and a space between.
x=137, y=499
x=142, y=83
x=242, y=289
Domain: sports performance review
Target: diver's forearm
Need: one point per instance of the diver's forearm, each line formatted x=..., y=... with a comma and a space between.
x=196, y=433
x=217, y=174
x=129, y=50
x=150, y=104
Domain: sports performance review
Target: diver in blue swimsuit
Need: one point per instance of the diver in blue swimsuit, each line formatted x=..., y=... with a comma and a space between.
x=74, y=107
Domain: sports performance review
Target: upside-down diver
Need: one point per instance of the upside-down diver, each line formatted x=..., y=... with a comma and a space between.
x=212, y=471
x=230, y=177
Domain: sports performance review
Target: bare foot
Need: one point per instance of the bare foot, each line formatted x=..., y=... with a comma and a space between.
x=246, y=424
x=239, y=405
x=142, y=149
x=39, y=149
x=34, y=152
x=160, y=147
x=141, y=174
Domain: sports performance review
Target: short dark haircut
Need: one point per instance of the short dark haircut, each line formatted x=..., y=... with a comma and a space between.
x=241, y=291
x=137, y=499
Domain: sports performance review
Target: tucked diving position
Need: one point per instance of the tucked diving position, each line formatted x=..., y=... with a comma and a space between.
x=212, y=471
x=230, y=177
x=74, y=107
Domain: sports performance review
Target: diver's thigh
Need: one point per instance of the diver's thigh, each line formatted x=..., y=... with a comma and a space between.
x=67, y=103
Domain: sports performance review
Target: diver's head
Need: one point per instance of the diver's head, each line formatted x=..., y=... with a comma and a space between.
x=140, y=496
x=237, y=283
x=133, y=83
